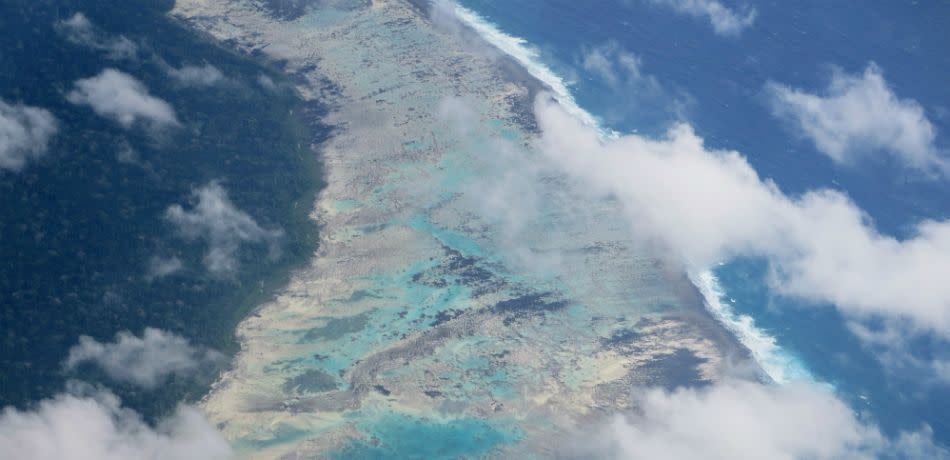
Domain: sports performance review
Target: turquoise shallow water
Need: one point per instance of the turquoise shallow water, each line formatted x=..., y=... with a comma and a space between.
x=400, y=436
x=464, y=293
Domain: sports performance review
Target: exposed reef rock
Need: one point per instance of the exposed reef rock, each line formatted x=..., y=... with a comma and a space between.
x=421, y=306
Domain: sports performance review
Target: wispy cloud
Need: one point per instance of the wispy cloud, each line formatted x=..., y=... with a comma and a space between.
x=266, y=82
x=79, y=30
x=193, y=75
x=147, y=361
x=725, y=21
x=706, y=206
x=25, y=132
x=160, y=267
x=941, y=369
x=613, y=64
x=215, y=219
x=633, y=92
x=120, y=97
x=86, y=423
x=738, y=419
x=859, y=116
x=925, y=360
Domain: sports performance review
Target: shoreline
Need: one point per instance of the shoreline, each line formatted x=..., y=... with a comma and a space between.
x=404, y=275
x=519, y=73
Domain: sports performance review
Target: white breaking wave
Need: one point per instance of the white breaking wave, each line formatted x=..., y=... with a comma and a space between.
x=522, y=52
x=777, y=363
x=780, y=365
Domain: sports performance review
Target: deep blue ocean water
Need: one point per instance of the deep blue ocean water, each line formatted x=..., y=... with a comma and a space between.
x=716, y=83
x=79, y=226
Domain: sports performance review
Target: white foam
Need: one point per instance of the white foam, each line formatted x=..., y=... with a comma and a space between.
x=519, y=50
x=780, y=365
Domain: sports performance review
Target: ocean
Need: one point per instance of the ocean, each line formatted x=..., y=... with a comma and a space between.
x=360, y=203
x=467, y=293
x=460, y=285
x=716, y=83
x=80, y=227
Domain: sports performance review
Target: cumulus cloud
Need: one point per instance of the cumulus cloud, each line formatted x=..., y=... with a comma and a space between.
x=860, y=116
x=160, y=267
x=79, y=30
x=193, y=75
x=25, y=132
x=147, y=361
x=120, y=97
x=92, y=424
x=725, y=21
x=215, y=219
x=738, y=419
x=706, y=206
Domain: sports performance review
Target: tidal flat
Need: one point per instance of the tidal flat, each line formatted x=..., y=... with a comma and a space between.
x=465, y=300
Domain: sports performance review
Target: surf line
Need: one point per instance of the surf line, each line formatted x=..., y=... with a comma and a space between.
x=780, y=365
x=777, y=363
x=527, y=56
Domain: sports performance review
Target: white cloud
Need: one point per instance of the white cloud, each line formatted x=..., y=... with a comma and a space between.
x=266, y=82
x=725, y=21
x=615, y=65
x=738, y=419
x=192, y=75
x=147, y=361
x=128, y=155
x=859, y=117
x=505, y=174
x=119, y=96
x=941, y=369
x=160, y=267
x=892, y=344
x=24, y=134
x=216, y=220
x=707, y=206
x=95, y=426
x=444, y=16
x=633, y=92
x=79, y=30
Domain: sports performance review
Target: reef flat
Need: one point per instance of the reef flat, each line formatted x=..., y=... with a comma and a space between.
x=445, y=314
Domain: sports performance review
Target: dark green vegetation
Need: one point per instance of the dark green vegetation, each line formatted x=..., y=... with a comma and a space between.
x=79, y=226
